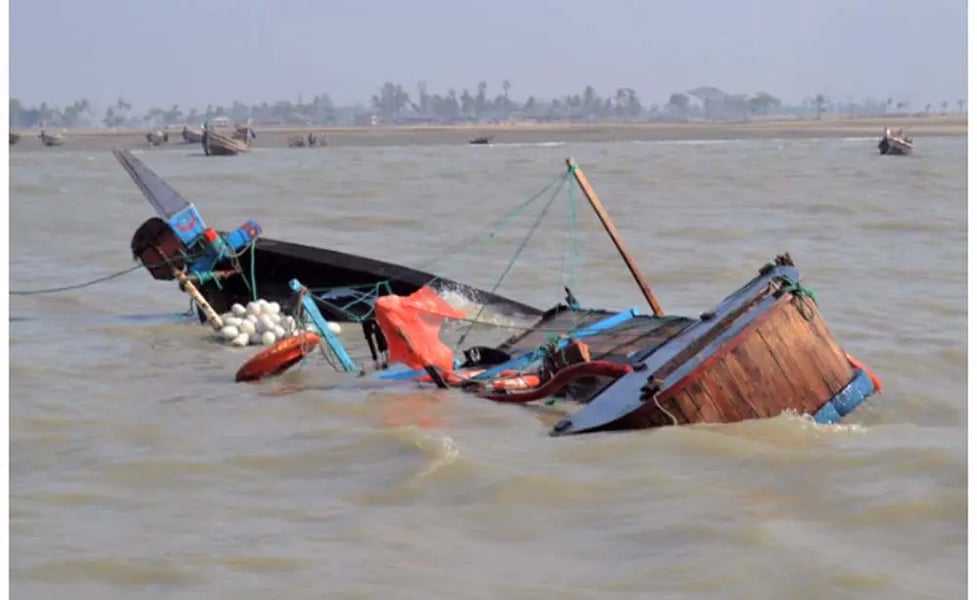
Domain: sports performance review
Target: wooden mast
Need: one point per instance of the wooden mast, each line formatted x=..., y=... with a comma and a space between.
x=605, y=220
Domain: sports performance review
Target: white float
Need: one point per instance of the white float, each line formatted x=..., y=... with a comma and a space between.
x=260, y=323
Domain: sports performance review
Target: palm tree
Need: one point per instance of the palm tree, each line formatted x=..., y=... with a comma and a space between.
x=819, y=102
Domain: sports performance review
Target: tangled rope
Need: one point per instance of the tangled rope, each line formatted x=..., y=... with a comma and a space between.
x=800, y=294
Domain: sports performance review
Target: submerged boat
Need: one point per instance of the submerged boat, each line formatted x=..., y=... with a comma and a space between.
x=762, y=351
x=895, y=143
x=234, y=267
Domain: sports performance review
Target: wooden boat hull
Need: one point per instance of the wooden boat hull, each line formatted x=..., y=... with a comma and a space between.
x=192, y=137
x=52, y=140
x=157, y=138
x=763, y=351
x=277, y=262
x=217, y=144
x=895, y=146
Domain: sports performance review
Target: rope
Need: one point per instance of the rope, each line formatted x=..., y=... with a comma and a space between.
x=512, y=261
x=800, y=293
x=373, y=291
x=76, y=286
x=489, y=231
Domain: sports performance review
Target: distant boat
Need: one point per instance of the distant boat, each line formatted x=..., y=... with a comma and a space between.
x=481, y=140
x=14, y=138
x=218, y=144
x=158, y=137
x=244, y=133
x=48, y=139
x=192, y=137
x=299, y=141
x=895, y=144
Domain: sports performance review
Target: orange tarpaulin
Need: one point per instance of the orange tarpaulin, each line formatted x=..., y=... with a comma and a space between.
x=412, y=325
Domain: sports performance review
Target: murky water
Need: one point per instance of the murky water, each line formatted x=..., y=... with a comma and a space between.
x=139, y=470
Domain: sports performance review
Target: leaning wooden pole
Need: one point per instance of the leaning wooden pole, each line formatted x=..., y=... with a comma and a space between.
x=212, y=317
x=605, y=220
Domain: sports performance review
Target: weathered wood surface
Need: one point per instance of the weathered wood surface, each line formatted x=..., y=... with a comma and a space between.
x=782, y=361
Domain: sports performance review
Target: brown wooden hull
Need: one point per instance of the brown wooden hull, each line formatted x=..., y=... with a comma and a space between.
x=781, y=362
x=766, y=350
x=216, y=144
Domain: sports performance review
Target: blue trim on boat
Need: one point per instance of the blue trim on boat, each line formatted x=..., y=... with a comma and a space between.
x=308, y=303
x=527, y=358
x=847, y=400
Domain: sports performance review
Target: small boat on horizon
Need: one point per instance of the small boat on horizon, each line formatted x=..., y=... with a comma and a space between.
x=191, y=136
x=157, y=137
x=49, y=139
x=895, y=144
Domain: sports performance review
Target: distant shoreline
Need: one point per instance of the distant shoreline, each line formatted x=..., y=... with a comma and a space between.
x=916, y=126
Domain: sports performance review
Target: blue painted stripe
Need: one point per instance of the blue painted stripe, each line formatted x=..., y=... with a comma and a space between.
x=847, y=400
x=320, y=323
x=527, y=358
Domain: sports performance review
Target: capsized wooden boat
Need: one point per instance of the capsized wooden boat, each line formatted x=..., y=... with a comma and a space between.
x=157, y=137
x=218, y=144
x=763, y=351
x=51, y=139
x=231, y=267
x=191, y=136
x=895, y=144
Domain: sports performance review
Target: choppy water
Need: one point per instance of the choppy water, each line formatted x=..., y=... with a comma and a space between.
x=138, y=469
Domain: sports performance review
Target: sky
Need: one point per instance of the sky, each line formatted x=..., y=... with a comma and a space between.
x=199, y=52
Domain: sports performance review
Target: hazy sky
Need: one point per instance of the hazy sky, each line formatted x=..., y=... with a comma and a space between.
x=199, y=52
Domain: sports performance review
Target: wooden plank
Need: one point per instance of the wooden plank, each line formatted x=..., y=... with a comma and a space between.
x=720, y=399
x=835, y=364
x=790, y=349
x=761, y=365
x=704, y=403
x=820, y=352
x=751, y=388
x=735, y=391
x=682, y=405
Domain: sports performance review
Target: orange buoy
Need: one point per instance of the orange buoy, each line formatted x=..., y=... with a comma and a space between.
x=278, y=358
x=515, y=382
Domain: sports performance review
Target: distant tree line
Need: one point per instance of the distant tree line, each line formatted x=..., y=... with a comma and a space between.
x=393, y=104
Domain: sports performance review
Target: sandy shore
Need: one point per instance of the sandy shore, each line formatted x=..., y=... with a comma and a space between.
x=949, y=125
